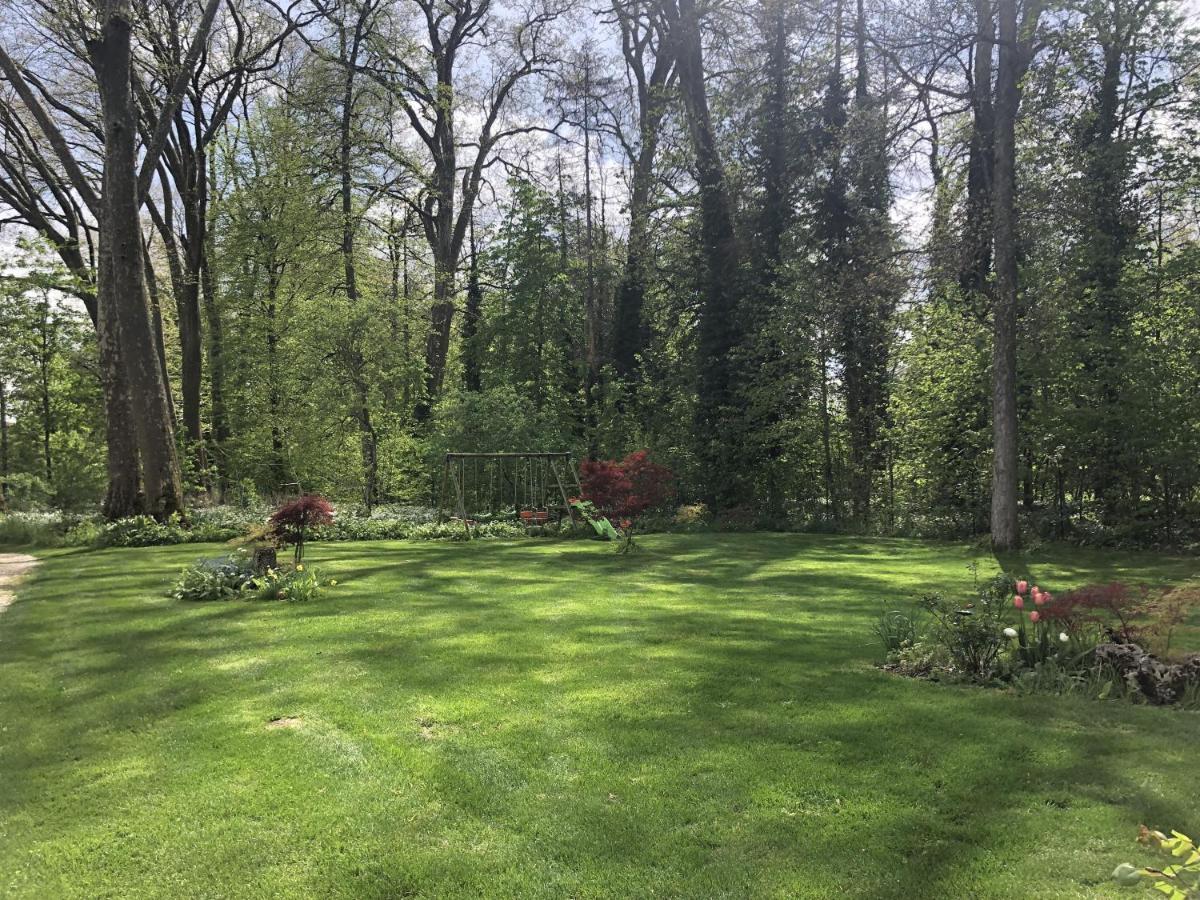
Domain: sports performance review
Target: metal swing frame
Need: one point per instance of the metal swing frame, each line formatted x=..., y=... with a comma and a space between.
x=558, y=467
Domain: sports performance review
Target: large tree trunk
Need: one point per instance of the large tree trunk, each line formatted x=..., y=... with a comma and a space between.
x=187, y=304
x=593, y=323
x=280, y=473
x=156, y=322
x=437, y=344
x=1005, y=475
x=441, y=231
x=183, y=263
x=441, y=313
x=869, y=302
x=111, y=59
x=630, y=334
x=123, y=497
x=361, y=409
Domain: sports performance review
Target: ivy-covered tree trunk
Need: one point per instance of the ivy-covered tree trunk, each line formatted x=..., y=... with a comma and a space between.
x=718, y=414
x=216, y=375
x=1103, y=314
x=975, y=265
x=779, y=361
x=472, y=352
x=353, y=357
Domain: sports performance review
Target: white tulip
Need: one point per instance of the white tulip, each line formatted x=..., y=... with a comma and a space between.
x=1010, y=632
x=1062, y=636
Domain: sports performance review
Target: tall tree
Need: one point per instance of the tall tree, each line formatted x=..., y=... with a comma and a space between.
x=1016, y=26
x=649, y=57
x=124, y=323
x=250, y=43
x=121, y=270
x=427, y=79
x=718, y=429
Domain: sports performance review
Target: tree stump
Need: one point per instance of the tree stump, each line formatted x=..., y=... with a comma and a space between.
x=265, y=558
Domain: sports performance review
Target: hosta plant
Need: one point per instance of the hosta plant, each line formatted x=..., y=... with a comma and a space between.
x=295, y=585
x=215, y=579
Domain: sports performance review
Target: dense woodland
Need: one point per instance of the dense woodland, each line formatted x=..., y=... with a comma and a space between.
x=925, y=267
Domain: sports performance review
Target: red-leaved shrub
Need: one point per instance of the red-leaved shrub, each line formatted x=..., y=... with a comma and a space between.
x=1113, y=608
x=292, y=520
x=626, y=488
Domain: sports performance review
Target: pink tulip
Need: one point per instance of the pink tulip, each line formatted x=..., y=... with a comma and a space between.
x=1034, y=616
x=1019, y=602
x=1047, y=597
x=1039, y=599
x=1022, y=587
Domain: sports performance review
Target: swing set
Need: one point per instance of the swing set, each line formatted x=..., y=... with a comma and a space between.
x=531, y=487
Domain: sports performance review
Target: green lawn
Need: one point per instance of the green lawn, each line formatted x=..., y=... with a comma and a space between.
x=540, y=719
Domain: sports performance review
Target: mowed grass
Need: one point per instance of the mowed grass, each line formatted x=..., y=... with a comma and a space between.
x=539, y=719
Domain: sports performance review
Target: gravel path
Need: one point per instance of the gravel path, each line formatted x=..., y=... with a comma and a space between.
x=12, y=567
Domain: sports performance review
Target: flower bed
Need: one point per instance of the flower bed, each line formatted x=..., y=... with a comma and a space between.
x=1103, y=640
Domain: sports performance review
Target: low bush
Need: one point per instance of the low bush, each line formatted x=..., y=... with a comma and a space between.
x=145, y=531
x=353, y=529
x=973, y=632
x=692, y=515
x=395, y=512
x=220, y=524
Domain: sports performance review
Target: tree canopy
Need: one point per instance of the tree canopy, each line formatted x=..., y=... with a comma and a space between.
x=876, y=266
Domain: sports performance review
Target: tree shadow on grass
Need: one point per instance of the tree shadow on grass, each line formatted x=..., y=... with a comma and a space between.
x=677, y=711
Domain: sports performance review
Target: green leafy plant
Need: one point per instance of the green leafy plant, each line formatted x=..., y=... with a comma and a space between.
x=1180, y=880
x=973, y=632
x=896, y=628
x=920, y=658
x=221, y=578
x=600, y=524
x=292, y=585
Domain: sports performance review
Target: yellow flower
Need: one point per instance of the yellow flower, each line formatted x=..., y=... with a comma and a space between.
x=299, y=567
x=333, y=581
